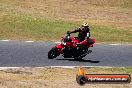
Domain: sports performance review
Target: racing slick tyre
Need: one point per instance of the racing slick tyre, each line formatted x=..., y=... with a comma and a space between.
x=79, y=58
x=81, y=53
x=52, y=53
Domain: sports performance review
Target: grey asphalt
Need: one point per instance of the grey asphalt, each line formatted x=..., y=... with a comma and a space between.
x=24, y=54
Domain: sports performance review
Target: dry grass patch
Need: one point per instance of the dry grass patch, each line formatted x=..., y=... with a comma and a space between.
x=54, y=77
x=39, y=19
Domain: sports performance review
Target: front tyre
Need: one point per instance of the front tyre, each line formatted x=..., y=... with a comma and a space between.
x=52, y=53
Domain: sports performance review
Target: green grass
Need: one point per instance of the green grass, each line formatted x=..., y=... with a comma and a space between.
x=38, y=20
x=114, y=70
x=27, y=27
x=109, y=34
x=22, y=27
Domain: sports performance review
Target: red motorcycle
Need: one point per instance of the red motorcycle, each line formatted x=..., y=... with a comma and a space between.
x=70, y=47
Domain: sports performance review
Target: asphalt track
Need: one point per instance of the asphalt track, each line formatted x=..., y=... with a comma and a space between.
x=34, y=54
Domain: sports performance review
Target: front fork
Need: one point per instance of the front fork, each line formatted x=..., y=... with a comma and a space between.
x=60, y=48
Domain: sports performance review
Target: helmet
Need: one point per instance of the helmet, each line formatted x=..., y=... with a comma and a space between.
x=67, y=39
x=85, y=24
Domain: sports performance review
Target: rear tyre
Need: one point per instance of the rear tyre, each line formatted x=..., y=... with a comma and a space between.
x=52, y=53
x=81, y=53
x=79, y=58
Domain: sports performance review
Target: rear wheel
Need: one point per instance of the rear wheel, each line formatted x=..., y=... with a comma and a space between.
x=81, y=54
x=52, y=53
x=79, y=58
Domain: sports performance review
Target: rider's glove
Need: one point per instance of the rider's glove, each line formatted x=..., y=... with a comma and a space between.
x=68, y=32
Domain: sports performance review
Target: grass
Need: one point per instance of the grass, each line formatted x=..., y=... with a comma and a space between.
x=27, y=27
x=52, y=74
x=112, y=3
x=49, y=20
x=21, y=27
x=109, y=34
x=55, y=77
x=114, y=70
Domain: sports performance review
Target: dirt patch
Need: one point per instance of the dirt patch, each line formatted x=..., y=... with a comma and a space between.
x=97, y=12
x=49, y=77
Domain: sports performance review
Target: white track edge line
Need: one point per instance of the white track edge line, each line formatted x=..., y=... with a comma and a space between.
x=57, y=42
x=28, y=41
x=72, y=67
x=115, y=44
x=107, y=44
x=5, y=40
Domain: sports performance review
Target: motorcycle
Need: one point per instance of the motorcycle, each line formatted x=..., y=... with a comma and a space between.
x=70, y=47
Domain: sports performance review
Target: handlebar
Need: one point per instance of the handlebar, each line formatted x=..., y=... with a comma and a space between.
x=68, y=34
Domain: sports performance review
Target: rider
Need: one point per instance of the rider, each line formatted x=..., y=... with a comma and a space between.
x=84, y=34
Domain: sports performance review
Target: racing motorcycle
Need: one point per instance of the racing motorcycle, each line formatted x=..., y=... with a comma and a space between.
x=70, y=47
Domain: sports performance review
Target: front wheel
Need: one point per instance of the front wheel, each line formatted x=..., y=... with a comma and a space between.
x=52, y=53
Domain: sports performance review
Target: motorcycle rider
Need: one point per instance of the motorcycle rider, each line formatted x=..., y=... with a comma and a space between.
x=84, y=34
